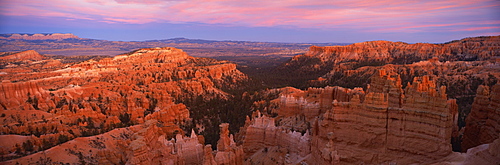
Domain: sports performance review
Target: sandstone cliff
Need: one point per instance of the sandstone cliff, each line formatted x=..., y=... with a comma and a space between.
x=265, y=143
x=391, y=125
x=13, y=96
x=478, y=48
x=461, y=78
x=332, y=65
x=384, y=125
x=483, y=122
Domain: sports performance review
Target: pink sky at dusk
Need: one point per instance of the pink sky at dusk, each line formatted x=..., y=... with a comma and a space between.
x=411, y=20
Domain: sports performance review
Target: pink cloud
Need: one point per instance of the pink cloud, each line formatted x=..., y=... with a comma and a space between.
x=371, y=15
x=480, y=28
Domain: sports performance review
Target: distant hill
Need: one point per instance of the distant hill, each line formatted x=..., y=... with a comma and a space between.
x=243, y=53
x=38, y=36
x=69, y=44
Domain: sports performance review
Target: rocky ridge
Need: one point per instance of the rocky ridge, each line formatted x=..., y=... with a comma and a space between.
x=52, y=36
x=25, y=55
x=477, y=48
x=330, y=63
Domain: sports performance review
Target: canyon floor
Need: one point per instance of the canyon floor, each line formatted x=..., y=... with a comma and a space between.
x=182, y=101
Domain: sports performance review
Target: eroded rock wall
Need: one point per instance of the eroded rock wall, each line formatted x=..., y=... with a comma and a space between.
x=483, y=122
x=384, y=125
x=314, y=101
x=390, y=125
x=398, y=52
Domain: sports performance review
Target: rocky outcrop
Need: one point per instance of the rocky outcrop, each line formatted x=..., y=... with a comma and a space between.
x=384, y=125
x=24, y=55
x=227, y=150
x=487, y=154
x=389, y=125
x=314, y=101
x=352, y=65
x=168, y=55
x=13, y=96
x=53, y=36
x=481, y=48
x=424, y=123
x=483, y=122
x=261, y=134
x=461, y=78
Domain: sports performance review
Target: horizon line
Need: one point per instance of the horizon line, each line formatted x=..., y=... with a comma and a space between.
x=151, y=40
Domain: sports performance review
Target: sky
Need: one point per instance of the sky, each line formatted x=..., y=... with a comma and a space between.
x=341, y=21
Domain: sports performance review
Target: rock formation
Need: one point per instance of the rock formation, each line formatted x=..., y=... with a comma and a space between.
x=391, y=125
x=377, y=53
x=483, y=122
x=469, y=60
x=384, y=125
x=486, y=154
x=314, y=101
x=60, y=102
x=262, y=134
x=402, y=53
x=25, y=55
x=461, y=78
x=13, y=96
x=141, y=144
x=53, y=36
x=227, y=150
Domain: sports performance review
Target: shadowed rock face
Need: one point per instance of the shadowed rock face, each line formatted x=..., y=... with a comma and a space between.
x=65, y=101
x=484, y=120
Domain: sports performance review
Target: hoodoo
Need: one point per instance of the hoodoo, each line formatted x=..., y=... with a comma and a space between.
x=384, y=125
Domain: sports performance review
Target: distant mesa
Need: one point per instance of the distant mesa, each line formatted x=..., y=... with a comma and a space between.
x=37, y=36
